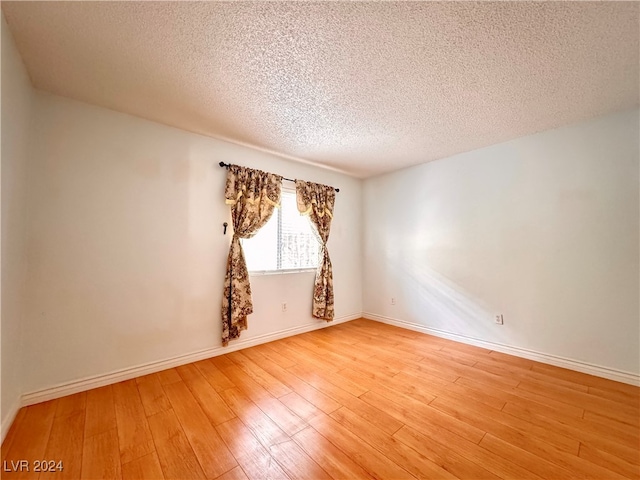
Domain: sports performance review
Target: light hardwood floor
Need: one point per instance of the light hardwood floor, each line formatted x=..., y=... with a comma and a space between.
x=357, y=400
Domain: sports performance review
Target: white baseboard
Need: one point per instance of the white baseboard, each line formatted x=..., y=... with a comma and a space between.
x=95, y=381
x=584, y=367
x=8, y=419
x=87, y=383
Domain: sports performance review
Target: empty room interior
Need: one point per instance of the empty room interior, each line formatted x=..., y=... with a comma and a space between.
x=320, y=240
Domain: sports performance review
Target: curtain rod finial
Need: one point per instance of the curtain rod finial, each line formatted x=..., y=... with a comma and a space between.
x=222, y=164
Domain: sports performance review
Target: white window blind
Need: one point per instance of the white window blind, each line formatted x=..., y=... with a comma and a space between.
x=286, y=242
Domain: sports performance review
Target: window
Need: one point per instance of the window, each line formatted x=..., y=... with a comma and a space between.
x=285, y=243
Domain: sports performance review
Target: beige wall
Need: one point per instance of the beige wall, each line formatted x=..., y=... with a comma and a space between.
x=543, y=229
x=16, y=115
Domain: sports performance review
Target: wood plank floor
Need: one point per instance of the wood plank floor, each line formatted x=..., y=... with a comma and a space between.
x=357, y=400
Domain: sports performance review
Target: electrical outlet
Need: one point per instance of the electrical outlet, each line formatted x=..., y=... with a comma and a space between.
x=499, y=320
x=393, y=300
x=284, y=306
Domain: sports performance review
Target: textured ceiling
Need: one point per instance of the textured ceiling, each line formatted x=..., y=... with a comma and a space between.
x=362, y=87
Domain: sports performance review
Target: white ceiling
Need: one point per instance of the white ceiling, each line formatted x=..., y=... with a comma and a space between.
x=362, y=87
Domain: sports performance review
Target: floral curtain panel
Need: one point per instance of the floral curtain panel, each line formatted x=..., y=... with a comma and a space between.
x=317, y=201
x=252, y=196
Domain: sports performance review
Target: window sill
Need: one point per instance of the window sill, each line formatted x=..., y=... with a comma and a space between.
x=260, y=273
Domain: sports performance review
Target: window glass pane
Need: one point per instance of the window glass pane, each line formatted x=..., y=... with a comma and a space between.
x=261, y=251
x=285, y=242
x=298, y=247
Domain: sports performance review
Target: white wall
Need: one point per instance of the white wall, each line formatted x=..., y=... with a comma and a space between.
x=16, y=114
x=127, y=255
x=543, y=229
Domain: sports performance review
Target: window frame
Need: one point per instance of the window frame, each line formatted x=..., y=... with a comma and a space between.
x=283, y=271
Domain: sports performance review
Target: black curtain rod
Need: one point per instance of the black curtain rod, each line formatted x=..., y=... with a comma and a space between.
x=227, y=165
